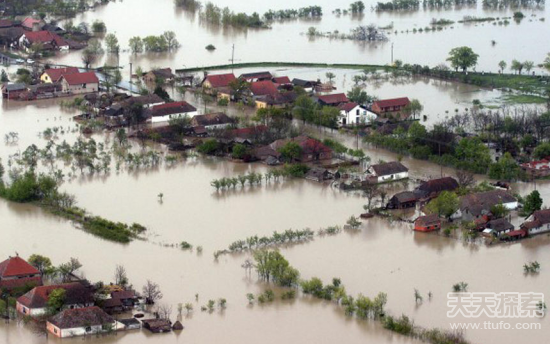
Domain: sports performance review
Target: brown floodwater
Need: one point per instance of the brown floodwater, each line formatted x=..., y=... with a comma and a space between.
x=286, y=41
x=382, y=256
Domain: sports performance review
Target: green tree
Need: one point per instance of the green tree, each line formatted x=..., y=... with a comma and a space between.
x=517, y=66
x=304, y=109
x=532, y=203
x=499, y=211
x=462, y=58
x=4, y=76
x=542, y=151
x=239, y=151
x=136, y=45
x=358, y=95
x=290, y=151
x=41, y=263
x=56, y=300
x=209, y=146
x=180, y=124
x=446, y=204
x=546, y=62
x=506, y=168
x=502, y=65
x=528, y=65
x=414, y=108
x=159, y=91
x=329, y=117
x=98, y=26
x=111, y=42
x=330, y=76
x=473, y=155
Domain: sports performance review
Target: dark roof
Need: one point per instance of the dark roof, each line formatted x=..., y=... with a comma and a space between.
x=129, y=322
x=143, y=100
x=542, y=216
x=405, y=197
x=220, y=80
x=212, y=119
x=263, y=88
x=56, y=73
x=172, y=108
x=123, y=295
x=16, y=266
x=165, y=73
x=388, y=168
x=481, y=202
x=14, y=87
x=12, y=33
x=81, y=78
x=347, y=107
x=438, y=185
x=500, y=225
x=281, y=80
x=427, y=220
x=392, y=102
x=248, y=132
x=80, y=317
x=256, y=75
x=177, y=326
x=76, y=293
x=333, y=99
x=280, y=98
x=157, y=325
x=303, y=83
x=266, y=151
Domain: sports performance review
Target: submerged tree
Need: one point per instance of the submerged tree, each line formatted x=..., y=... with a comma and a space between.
x=151, y=292
x=462, y=58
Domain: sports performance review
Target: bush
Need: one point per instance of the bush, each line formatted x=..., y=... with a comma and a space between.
x=210, y=47
x=209, y=146
x=223, y=102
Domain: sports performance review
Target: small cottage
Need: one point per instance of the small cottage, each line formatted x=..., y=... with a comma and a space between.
x=15, y=272
x=35, y=302
x=130, y=324
x=335, y=99
x=157, y=325
x=388, y=171
x=390, y=106
x=165, y=112
x=538, y=222
x=477, y=205
x=498, y=228
x=80, y=322
x=318, y=174
x=403, y=200
x=78, y=83
x=212, y=121
x=427, y=223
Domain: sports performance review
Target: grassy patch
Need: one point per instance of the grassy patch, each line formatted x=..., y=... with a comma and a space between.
x=523, y=99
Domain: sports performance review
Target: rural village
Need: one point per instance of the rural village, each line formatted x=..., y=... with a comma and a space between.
x=474, y=180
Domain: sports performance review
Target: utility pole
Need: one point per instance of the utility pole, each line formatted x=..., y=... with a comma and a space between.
x=392, y=54
x=131, y=77
x=232, y=57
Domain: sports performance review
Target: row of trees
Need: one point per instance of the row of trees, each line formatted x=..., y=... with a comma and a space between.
x=304, y=12
x=165, y=42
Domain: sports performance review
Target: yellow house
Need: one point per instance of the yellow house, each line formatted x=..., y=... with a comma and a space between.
x=55, y=74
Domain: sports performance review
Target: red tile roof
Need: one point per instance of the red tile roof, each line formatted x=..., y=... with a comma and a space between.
x=427, y=220
x=248, y=132
x=76, y=293
x=56, y=73
x=347, y=107
x=220, y=80
x=392, y=102
x=15, y=266
x=45, y=37
x=172, y=108
x=29, y=22
x=335, y=98
x=81, y=78
x=263, y=88
x=282, y=80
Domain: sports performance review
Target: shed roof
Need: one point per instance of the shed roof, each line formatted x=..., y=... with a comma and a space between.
x=81, y=317
x=389, y=168
x=404, y=101
x=38, y=297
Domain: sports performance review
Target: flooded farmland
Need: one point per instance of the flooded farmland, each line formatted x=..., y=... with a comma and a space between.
x=382, y=256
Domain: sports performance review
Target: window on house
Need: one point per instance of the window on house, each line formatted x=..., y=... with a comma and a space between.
x=88, y=329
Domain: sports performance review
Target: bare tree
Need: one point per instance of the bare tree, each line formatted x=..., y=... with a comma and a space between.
x=88, y=58
x=151, y=292
x=465, y=178
x=164, y=311
x=66, y=270
x=121, y=278
x=370, y=191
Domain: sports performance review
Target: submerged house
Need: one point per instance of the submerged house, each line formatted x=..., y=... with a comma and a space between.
x=390, y=106
x=478, y=205
x=256, y=76
x=165, y=112
x=80, y=322
x=318, y=174
x=403, y=200
x=15, y=272
x=498, y=228
x=213, y=83
x=157, y=325
x=212, y=121
x=432, y=188
x=164, y=74
x=388, y=171
x=78, y=83
x=35, y=302
x=537, y=223
x=427, y=223
x=312, y=149
x=335, y=99
x=54, y=75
